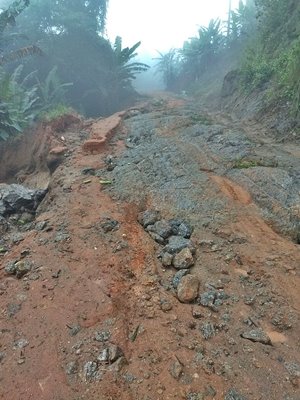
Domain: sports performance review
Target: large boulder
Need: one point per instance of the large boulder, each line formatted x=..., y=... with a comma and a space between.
x=17, y=198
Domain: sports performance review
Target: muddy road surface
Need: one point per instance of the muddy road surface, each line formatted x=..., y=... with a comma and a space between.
x=162, y=263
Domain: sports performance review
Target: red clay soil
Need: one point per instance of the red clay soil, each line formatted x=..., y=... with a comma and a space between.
x=87, y=281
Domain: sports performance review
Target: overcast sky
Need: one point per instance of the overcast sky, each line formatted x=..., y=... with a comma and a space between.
x=161, y=24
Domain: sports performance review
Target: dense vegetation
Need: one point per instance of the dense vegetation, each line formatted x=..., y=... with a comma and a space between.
x=261, y=39
x=65, y=59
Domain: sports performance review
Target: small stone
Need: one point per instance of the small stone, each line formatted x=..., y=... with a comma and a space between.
x=21, y=343
x=148, y=217
x=177, y=277
x=119, y=364
x=10, y=268
x=109, y=225
x=90, y=371
x=22, y=268
x=185, y=230
x=178, y=243
x=167, y=259
x=184, y=259
x=110, y=354
x=208, y=330
x=195, y=396
x=232, y=394
x=188, y=289
x=74, y=330
x=257, y=335
x=157, y=238
x=102, y=336
x=13, y=309
x=165, y=305
x=176, y=369
x=161, y=228
x=196, y=313
x=72, y=368
x=293, y=369
x=2, y=356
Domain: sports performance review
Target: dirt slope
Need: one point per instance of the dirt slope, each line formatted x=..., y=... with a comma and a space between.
x=96, y=280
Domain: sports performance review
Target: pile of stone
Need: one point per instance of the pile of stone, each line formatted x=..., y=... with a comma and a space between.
x=178, y=250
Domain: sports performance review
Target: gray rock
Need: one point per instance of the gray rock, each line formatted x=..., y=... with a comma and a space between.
x=91, y=371
x=22, y=268
x=178, y=243
x=110, y=354
x=208, y=330
x=167, y=259
x=16, y=198
x=161, y=228
x=176, y=369
x=148, y=217
x=102, y=336
x=232, y=394
x=188, y=289
x=184, y=259
x=74, y=330
x=257, y=335
x=181, y=228
x=109, y=225
x=10, y=268
x=21, y=343
x=293, y=369
x=177, y=277
x=157, y=238
x=2, y=356
x=13, y=309
x=72, y=368
x=195, y=396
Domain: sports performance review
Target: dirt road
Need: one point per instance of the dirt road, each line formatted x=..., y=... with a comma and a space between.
x=98, y=315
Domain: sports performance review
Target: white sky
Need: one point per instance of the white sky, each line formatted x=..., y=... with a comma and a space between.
x=161, y=24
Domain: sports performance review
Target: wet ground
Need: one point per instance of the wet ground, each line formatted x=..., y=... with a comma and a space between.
x=97, y=314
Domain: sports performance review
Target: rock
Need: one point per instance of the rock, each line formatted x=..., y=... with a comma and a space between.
x=13, y=309
x=16, y=198
x=90, y=371
x=178, y=243
x=22, y=268
x=181, y=228
x=102, y=336
x=110, y=354
x=10, y=268
x=177, y=277
x=188, y=288
x=161, y=228
x=195, y=396
x=88, y=171
x=157, y=238
x=109, y=225
x=176, y=369
x=184, y=259
x=148, y=217
x=21, y=343
x=72, y=368
x=74, y=330
x=58, y=151
x=208, y=330
x=293, y=369
x=119, y=364
x=232, y=394
x=2, y=356
x=167, y=259
x=257, y=335
x=165, y=305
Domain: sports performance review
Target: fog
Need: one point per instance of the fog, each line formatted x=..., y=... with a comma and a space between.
x=161, y=24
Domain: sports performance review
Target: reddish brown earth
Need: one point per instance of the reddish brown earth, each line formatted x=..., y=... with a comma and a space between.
x=113, y=282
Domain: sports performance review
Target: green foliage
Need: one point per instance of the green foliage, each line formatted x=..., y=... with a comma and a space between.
x=8, y=18
x=126, y=70
x=168, y=66
x=17, y=104
x=274, y=57
x=51, y=92
x=55, y=112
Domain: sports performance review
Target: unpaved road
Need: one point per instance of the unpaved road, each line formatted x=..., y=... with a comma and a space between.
x=97, y=280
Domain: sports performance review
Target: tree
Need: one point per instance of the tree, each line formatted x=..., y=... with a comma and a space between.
x=168, y=66
x=8, y=18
